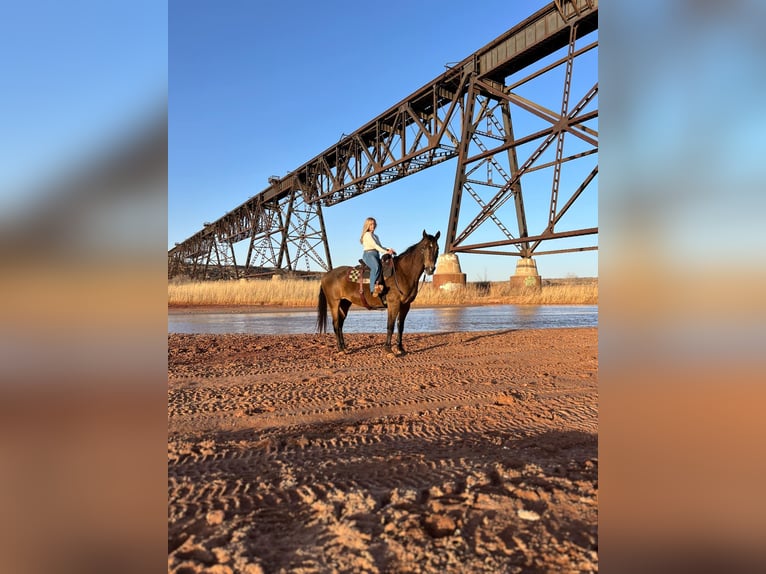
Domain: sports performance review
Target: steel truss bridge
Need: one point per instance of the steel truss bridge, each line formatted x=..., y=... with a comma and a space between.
x=470, y=113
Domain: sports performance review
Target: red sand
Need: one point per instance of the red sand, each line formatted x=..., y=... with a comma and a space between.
x=475, y=452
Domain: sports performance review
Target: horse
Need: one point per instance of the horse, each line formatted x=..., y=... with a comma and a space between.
x=339, y=293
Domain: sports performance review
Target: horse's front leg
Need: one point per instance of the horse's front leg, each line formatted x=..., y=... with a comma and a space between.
x=403, y=310
x=390, y=327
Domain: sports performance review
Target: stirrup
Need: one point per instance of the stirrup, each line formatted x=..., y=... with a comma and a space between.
x=378, y=289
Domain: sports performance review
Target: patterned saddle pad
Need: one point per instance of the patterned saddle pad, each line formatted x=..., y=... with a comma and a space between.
x=355, y=272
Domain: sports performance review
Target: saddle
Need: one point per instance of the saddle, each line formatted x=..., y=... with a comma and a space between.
x=361, y=274
x=362, y=271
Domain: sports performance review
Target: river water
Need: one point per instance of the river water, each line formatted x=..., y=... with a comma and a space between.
x=420, y=320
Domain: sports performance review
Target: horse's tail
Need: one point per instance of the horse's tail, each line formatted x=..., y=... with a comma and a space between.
x=321, y=311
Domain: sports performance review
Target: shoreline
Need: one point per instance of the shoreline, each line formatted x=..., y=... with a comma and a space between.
x=232, y=309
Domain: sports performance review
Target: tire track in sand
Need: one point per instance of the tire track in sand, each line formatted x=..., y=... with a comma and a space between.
x=452, y=464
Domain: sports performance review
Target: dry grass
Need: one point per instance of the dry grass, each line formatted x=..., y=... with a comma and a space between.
x=283, y=293
x=564, y=293
x=303, y=293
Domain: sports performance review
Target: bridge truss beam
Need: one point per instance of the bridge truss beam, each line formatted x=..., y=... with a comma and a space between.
x=468, y=112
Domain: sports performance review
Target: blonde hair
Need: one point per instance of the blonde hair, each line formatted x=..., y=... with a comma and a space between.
x=366, y=227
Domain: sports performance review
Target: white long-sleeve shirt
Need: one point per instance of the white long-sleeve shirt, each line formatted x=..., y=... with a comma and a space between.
x=371, y=241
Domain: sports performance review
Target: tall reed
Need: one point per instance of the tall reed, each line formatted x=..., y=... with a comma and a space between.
x=303, y=293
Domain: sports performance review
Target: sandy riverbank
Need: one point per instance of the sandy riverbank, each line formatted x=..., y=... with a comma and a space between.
x=475, y=452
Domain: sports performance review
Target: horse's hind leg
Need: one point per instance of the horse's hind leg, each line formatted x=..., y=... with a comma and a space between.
x=337, y=327
x=343, y=308
x=338, y=317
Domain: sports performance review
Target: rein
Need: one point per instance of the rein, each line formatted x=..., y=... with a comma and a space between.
x=396, y=278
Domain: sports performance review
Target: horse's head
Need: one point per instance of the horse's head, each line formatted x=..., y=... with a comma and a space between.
x=430, y=248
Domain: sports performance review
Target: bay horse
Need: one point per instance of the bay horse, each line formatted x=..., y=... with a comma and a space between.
x=339, y=293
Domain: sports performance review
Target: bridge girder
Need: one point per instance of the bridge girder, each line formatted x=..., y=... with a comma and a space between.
x=469, y=113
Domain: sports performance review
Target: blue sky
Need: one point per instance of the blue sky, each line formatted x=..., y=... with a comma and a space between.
x=258, y=88
x=77, y=75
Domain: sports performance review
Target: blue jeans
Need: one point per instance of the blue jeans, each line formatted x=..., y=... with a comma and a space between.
x=372, y=259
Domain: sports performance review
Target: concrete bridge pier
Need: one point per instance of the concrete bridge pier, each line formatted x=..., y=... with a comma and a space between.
x=448, y=271
x=526, y=276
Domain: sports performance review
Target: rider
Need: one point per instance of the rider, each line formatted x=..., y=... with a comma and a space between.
x=371, y=256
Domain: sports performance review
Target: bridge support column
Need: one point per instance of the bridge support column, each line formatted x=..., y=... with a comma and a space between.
x=448, y=272
x=526, y=276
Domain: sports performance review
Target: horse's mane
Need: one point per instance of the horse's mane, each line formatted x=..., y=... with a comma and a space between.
x=410, y=248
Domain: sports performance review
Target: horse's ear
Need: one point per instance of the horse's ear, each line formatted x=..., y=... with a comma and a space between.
x=424, y=234
x=438, y=233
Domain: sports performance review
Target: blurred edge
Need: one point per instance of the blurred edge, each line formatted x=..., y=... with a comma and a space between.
x=681, y=276
x=83, y=270
x=83, y=399
x=83, y=363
